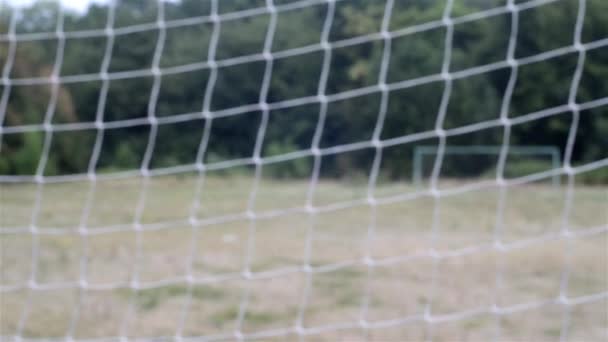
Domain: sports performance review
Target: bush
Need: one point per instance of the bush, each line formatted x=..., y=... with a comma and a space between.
x=520, y=168
x=595, y=177
x=526, y=167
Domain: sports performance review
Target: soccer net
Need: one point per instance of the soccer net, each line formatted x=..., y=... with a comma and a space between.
x=221, y=170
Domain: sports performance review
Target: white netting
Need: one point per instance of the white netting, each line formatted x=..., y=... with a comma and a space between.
x=202, y=270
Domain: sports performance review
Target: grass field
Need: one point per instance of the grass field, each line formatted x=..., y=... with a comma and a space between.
x=404, y=282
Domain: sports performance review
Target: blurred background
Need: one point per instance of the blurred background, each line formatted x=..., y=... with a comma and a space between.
x=476, y=42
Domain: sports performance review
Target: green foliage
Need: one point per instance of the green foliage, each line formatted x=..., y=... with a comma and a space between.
x=597, y=177
x=414, y=54
x=526, y=167
x=521, y=168
x=21, y=153
x=298, y=168
x=125, y=157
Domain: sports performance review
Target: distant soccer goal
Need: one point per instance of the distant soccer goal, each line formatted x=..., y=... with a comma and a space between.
x=303, y=170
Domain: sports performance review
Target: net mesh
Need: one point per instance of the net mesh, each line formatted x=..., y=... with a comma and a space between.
x=239, y=294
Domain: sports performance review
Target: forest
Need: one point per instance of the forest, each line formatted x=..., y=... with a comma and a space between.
x=478, y=51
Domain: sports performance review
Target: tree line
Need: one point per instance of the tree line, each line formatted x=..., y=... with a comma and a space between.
x=475, y=97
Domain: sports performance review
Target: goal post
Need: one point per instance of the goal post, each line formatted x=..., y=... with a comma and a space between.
x=420, y=152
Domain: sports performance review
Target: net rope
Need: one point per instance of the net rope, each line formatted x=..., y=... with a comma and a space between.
x=258, y=161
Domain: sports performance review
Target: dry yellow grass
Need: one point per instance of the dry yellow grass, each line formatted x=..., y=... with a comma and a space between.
x=403, y=287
